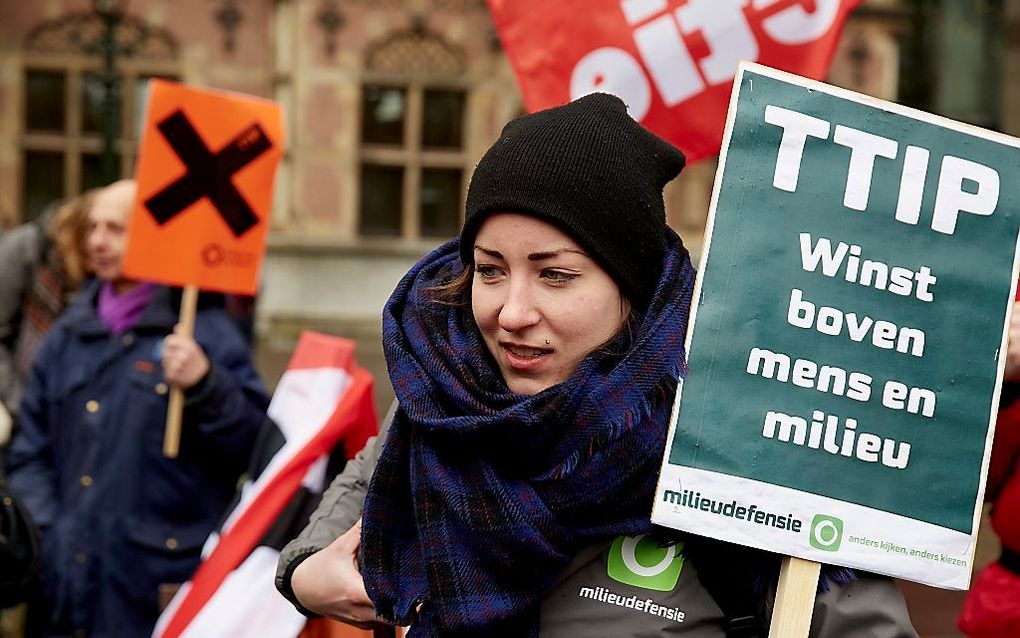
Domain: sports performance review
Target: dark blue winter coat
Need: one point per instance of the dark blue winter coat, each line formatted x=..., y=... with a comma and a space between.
x=119, y=519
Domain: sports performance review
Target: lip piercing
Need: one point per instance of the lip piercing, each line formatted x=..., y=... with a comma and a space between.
x=546, y=342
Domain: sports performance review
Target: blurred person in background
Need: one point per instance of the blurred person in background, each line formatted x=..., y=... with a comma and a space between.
x=42, y=266
x=992, y=608
x=120, y=522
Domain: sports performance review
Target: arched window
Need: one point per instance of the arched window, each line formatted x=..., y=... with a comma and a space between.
x=413, y=159
x=63, y=113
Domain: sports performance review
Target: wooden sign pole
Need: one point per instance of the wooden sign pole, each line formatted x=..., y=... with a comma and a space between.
x=795, y=598
x=175, y=408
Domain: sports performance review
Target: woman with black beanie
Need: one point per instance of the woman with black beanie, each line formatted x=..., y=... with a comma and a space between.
x=535, y=360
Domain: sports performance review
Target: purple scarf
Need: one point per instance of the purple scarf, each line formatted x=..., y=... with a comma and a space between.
x=120, y=313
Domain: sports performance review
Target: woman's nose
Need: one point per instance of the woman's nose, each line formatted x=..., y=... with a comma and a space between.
x=519, y=310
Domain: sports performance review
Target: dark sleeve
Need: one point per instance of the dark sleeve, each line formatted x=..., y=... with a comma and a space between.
x=33, y=476
x=18, y=257
x=228, y=405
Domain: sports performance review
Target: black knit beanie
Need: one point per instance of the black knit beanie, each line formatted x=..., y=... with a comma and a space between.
x=591, y=170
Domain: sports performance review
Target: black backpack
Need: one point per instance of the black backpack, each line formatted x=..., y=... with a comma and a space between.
x=20, y=556
x=735, y=577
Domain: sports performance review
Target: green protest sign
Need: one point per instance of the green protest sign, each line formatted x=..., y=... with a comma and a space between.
x=845, y=348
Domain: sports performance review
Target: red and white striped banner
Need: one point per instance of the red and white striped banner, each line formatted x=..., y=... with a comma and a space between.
x=323, y=400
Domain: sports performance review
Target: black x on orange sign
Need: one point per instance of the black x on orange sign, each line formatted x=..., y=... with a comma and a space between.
x=205, y=181
x=209, y=174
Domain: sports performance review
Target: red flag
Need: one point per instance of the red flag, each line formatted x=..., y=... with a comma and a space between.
x=671, y=61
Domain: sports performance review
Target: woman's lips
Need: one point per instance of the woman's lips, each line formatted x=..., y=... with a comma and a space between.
x=524, y=357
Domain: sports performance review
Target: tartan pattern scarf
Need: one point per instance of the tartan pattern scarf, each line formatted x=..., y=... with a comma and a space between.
x=47, y=296
x=481, y=497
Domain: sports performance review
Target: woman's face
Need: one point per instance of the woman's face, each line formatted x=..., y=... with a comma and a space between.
x=541, y=303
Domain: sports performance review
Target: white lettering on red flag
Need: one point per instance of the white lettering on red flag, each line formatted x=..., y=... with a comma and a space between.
x=671, y=61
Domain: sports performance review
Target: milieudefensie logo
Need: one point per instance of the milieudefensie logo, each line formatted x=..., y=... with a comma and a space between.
x=641, y=562
x=826, y=533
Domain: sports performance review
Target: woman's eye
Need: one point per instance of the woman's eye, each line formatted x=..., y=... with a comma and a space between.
x=487, y=272
x=558, y=276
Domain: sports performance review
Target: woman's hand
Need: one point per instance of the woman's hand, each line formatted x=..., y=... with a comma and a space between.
x=329, y=583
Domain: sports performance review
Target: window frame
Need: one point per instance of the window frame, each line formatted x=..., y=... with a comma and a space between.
x=412, y=156
x=73, y=142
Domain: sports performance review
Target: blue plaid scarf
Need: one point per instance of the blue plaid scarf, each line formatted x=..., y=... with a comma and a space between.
x=481, y=497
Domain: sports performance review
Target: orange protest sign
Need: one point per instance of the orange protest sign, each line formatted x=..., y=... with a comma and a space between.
x=205, y=186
